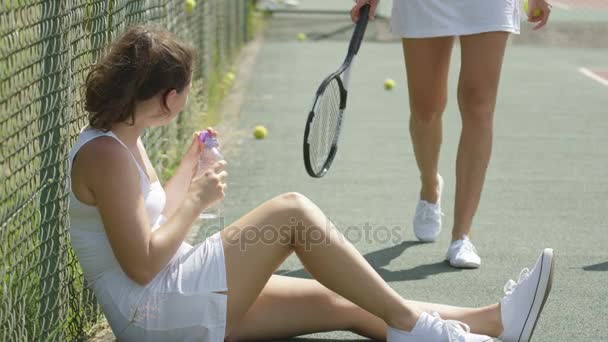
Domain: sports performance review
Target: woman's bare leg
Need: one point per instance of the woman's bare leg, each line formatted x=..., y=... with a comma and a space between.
x=482, y=56
x=290, y=307
x=427, y=64
x=258, y=243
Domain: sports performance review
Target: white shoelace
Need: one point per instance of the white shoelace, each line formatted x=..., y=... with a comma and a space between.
x=453, y=329
x=511, y=285
x=467, y=246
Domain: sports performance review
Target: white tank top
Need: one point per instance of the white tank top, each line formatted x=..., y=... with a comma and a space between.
x=88, y=236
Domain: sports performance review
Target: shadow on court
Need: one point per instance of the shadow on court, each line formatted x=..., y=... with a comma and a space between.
x=597, y=267
x=381, y=258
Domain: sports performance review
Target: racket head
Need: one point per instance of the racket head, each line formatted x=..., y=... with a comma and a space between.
x=323, y=126
x=325, y=119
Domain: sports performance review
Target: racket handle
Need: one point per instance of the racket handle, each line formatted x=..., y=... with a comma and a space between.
x=360, y=27
x=346, y=75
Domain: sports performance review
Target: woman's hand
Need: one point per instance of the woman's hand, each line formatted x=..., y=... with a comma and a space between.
x=178, y=187
x=209, y=186
x=543, y=18
x=190, y=159
x=354, y=12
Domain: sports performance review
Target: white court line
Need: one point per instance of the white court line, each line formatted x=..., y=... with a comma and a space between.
x=593, y=76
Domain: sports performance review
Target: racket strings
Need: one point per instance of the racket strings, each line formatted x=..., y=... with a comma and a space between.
x=324, y=125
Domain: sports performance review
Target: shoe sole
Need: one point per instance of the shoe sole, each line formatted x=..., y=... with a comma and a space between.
x=542, y=291
x=464, y=266
x=426, y=240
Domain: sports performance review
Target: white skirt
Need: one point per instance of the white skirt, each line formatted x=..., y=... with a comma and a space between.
x=440, y=18
x=180, y=304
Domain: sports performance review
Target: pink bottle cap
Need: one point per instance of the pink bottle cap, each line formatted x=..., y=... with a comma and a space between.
x=203, y=136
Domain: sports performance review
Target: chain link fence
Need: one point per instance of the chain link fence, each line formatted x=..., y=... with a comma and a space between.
x=46, y=49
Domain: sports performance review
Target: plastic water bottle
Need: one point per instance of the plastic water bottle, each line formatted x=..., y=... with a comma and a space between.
x=212, y=216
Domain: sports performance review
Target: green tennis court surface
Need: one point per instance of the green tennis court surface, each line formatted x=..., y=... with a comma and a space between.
x=547, y=185
x=580, y=11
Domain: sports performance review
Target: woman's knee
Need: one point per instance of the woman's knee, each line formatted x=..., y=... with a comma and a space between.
x=427, y=108
x=306, y=222
x=476, y=104
x=293, y=203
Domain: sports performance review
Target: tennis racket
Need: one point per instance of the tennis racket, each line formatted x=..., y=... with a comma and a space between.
x=325, y=118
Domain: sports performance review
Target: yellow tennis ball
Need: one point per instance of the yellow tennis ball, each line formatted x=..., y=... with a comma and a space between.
x=190, y=5
x=260, y=132
x=230, y=76
x=301, y=36
x=389, y=84
x=537, y=11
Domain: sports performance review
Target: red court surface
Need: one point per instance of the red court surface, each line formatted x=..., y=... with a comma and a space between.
x=581, y=4
x=602, y=73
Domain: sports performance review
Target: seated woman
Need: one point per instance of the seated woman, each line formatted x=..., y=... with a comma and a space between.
x=128, y=232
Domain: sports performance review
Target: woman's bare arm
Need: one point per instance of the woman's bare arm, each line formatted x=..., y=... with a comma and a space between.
x=177, y=186
x=112, y=177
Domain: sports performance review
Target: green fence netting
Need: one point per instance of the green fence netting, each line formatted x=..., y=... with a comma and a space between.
x=46, y=49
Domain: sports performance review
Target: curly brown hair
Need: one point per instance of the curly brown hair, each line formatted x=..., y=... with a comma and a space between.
x=140, y=64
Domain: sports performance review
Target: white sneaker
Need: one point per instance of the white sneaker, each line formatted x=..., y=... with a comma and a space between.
x=462, y=254
x=427, y=220
x=523, y=301
x=431, y=328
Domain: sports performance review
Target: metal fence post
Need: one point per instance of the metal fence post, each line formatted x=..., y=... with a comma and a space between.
x=50, y=168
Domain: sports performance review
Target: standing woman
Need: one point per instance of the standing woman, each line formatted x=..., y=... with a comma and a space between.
x=428, y=29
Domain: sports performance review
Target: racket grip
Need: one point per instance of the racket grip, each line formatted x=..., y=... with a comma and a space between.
x=359, y=30
x=364, y=11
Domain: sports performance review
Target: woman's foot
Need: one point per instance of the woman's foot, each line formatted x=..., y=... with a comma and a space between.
x=462, y=254
x=427, y=220
x=431, y=328
x=523, y=301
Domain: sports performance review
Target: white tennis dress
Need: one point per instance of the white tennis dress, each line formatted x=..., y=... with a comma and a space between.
x=180, y=303
x=439, y=18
